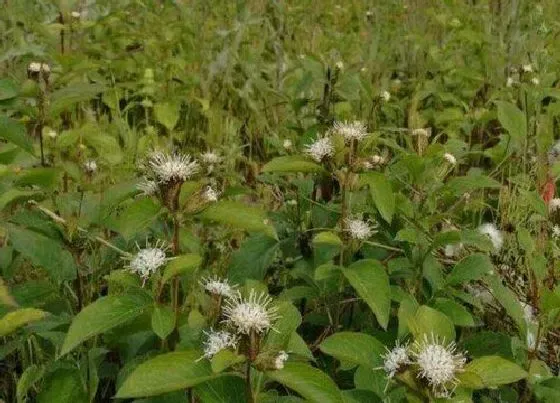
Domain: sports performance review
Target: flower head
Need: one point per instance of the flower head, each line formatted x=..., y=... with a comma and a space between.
x=421, y=132
x=527, y=68
x=351, y=130
x=385, y=96
x=510, y=81
x=320, y=149
x=148, y=260
x=556, y=232
x=210, y=158
x=554, y=205
x=172, y=167
x=75, y=14
x=438, y=364
x=209, y=194
x=280, y=359
x=287, y=144
x=147, y=187
x=252, y=314
x=394, y=359
x=51, y=133
x=535, y=81
x=90, y=166
x=450, y=158
x=218, y=287
x=358, y=229
x=217, y=341
x=494, y=234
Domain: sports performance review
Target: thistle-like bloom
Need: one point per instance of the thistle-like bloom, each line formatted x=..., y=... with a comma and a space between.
x=172, y=167
x=556, y=232
x=218, y=287
x=280, y=359
x=494, y=234
x=385, y=96
x=450, y=158
x=358, y=229
x=320, y=149
x=527, y=68
x=147, y=187
x=395, y=359
x=438, y=364
x=287, y=144
x=253, y=314
x=351, y=130
x=148, y=260
x=209, y=194
x=535, y=81
x=554, y=205
x=210, y=158
x=217, y=341
x=90, y=166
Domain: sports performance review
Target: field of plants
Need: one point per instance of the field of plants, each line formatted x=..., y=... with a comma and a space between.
x=272, y=201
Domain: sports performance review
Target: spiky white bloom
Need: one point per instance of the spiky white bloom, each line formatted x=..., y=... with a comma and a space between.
x=421, y=132
x=355, y=130
x=45, y=68
x=535, y=81
x=554, y=205
x=450, y=158
x=148, y=260
x=394, y=359
x=252, y=314
x=385, y=96
x=34, y=67
x=510, y=81
x=527, y=68
x=358, y=229
x=209, y=194
x=340, y=65
x=76, y=14
x=147, y=187
x=210, y=158
x=217, y=341
x=90, y=166
x=51, y=133
x=172, y=167
x=493, y=233
x=556, y=232
x=287, y=144
x=218, y=287
x=280, y=359
x=320, y=149
x=438, y=364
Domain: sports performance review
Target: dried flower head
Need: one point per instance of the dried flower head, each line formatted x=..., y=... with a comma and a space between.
x=209, y=194
x=172, y=167
x=147, y=187
x=494, y=234
x=395, y=359
x=90, y=166
x=210, y=158
x=252, y=314
x=216, y=286
x=554, y=205
x=450, y=158
x=280, y=359
x=358, y=229
x=217, y=341
x=438, y=364
x=320, y=149
x=148, y=260
x=355, y=130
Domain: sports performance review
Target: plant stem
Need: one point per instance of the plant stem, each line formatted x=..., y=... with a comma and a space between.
x=248, y=388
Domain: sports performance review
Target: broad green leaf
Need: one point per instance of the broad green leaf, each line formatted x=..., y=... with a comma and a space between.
x=357, y=348
x=311, y=383
x=225, y=359
x=14, y=194
x=508, y=300
x=495, y=371
x=241, y=216
x=14, y=132
x=44, y=252
x=5, y=297
x=136, y=217
x=463, y=184
x=163, y=321
x=369, y=279
x=428, y=321
x=181, y=265
x=166, y=373
x=381, y=193
x=292, y=163
x=46, y=178
x=514, y=121
x=28, y=378
x=289, y=320
x=63, y=386
x=360, y=396
x=65, y=97
x=107, y=147
x=8, y=89
x=328, y=238
x=473, y=267
x=367, y=378
x=102, y=315
x=253, y=258
x=455, y=311
x=167, y=114
x=225, y=389
x=18, y=318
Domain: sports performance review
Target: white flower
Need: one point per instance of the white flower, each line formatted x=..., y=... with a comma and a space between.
x=528, y=312
x=320, y=149
x=217, y=287
x=34, y=67
x=385, y=95
x=554, y=205
x=493, y=233
x=287, y=144
x=527, y=68
x=210, y=195
x=172, y=167
x=281, y=358
x=147, y=187
x=253, y=314
x=75, y=14
x=51, y=133
x=421, y=132
x=450, y=158
x=556, y=232
x=351, y=130
x=394, y=359
x=358, y=229
x=210, y=158
x=535, y=81
x=377, y=160
x=218, y=341
x=148, y=260
x=452, y=250
x=340, y=65
x=90, y=166
x=438, y=364
x=531, y=341
x=510, y=81
x=292, y=202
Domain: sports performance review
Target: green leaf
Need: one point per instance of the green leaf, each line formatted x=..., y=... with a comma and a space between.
x=428, y=321
x=163, y=321
x=455, y=311
x=357, y=348
x=18, y=318
x=14, y=132
x=166, y=373
x=102, y=315
x=460, y=185
x=253, y=258
x=311, y=383
x=8, y=89
x=181, y=265
x=167, y=114
x=107, y=147
x=327, y=238
x=495, y=371
x=5, y=297
x=241, y=216
x=137, y=216
x=225, y=359
x=473, y=267
x=292, y=163
x=44, y=252
x=13, y=194
x=360, y=396
x=289, y=321
x=77, y=92
x=381, y=193
x=508, y=300
x=225, y=389
x=369, y=279
x=63, y=386
x=28, y=378
x=46, y=178
x=514, y=121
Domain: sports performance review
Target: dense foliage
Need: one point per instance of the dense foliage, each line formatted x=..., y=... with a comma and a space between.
x=279, y=201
